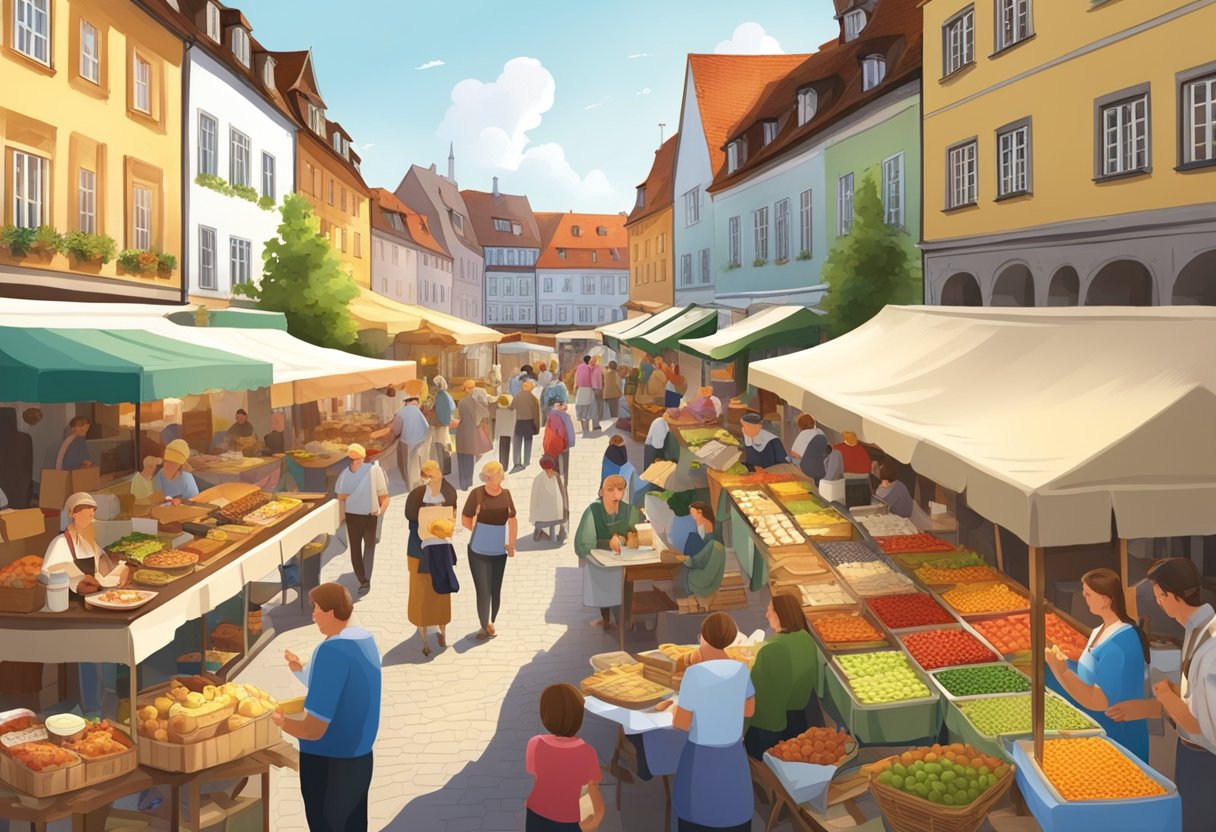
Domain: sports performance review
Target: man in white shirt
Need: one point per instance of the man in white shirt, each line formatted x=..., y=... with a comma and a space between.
x=362, y=491
x=656, y=438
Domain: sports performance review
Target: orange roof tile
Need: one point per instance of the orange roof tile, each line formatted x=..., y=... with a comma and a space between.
x=485, y=207
x=415, y=225
x=589, y=249
x=657, y=187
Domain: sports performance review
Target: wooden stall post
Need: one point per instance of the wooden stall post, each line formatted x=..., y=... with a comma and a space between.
x=1000, y=552
x=1129, y=597
x=1038, y=643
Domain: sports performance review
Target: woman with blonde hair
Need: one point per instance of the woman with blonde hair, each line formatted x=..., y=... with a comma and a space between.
x=603, y=526
x=489, y=513
x=427, y=608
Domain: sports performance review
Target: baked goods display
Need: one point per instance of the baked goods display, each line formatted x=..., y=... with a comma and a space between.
x=754, y=503
x=154, y=577
x=171, y=559
x=136, y=546
x=195, y=708
x=100, y=739
x=626, y=686
x=772, y=525
x=42, y=756
x=120, y=599
x=237, y=509
x=887, y=524
x=269, y=512
x=21, y=573
x=825, y=595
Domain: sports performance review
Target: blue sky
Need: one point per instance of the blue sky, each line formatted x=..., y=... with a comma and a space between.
x=560, y=100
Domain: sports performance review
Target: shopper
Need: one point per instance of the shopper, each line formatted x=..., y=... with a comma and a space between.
x=597, y=389
x=1190, y=706
x=412, y=432
x=892, y=491
x=445, y=414
x=807, y=430
x=704, y=556
x=341, y=716
x=504, y=427
x=562, y=410
x=558, y=439
x=762, y=447
x=547, y=508
x=705, y=406
x=74, y=452
x=489, y=514
x=143, y=484
x=527, y=424
x=784, y=676
x=427, y=608
x=241, y=428
x=856, y=459
x=584, y=395
x=563, y=765
x=713, y=788
x=174, y=479
x=471, y=433
x=1112, y=666
x=603, y=526
x=544, y=376
x=615, y=455
x=655, y=447
x=612, y=392
x=673, y=390
x=362, y=491
x=276, y=441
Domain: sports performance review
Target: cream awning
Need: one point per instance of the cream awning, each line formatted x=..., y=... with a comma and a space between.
x=372, y=311
x=1051, y=420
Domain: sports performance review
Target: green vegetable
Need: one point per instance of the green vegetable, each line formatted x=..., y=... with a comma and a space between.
x=983, y=679
x=1011, y=715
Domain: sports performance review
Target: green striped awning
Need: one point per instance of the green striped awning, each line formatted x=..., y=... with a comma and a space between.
x=692, y=322
x=777, y=326
x=234, y=317
x=39, y=364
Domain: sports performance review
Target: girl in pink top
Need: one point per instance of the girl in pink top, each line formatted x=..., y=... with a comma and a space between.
x=562, y=765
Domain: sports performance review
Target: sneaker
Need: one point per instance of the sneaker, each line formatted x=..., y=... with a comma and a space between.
x=364, y=589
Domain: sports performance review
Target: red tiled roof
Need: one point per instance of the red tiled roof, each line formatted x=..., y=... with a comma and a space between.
x=894, y=31
x=415, y=225
x=726, y=87
x=589, y=250
x=657, y=187
x=485, y=207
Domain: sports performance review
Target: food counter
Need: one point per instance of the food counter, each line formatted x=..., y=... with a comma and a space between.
x=215, y=469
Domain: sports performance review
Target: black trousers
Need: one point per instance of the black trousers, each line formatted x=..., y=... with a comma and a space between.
x=487, y=582
x=504, y=452
x=540, y=823
x=524, y=431
x=335, y=792
x=361, y=534
x=1195, y=774
x=689, y=826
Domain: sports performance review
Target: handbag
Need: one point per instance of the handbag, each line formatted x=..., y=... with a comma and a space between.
x=481, y=440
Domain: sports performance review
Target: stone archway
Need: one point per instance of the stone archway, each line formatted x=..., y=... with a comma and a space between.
x=1196, y=283
x=1121, y=283
x=1065, y=289
x=1014, y=287
x=961, y=289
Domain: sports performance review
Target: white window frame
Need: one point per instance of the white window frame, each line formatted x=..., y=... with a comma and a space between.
x=239, y=161
x=548, y=285
x=958, y=41
x=686, y=270
x=240, y=45
x=584, y=314
x=588, y=285
x=1014, y=22
x=1199, y=120
x=568, y=286
x=962, y=174
x=854, y=22
x=873, y=71
x=269, y=176
x=90, y=52
x=525, y=287
x=396, y=254
x=32, y=29
x=805, y=218
x=492, y=286
x=206, y=258
x=563, y=312
x=808, y=103
x=208, y=144
x=502, y=225
x=844, y=205
x=781, y=230
x=732, y=156
x=622, y=285
x=692, y=207
x=606, y=284
x=142, y=74
x=30, y=186
x=215, y=30
x=893, y=190
x=141, y=217
x=1013, y=159
x=760, y=233
x=735, y=244
x=86, y=201
x=599, y=314
x=508, y=286
x=769, y=127
x=546, y=314
x=268, y=72
x=705, y=277
x=316, y=119
x=1125, y=135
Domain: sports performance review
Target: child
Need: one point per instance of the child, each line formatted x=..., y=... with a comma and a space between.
x=439, y=560
x=562, y=765
x=142, y=487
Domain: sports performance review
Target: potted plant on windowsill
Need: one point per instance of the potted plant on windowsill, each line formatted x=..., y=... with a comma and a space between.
x=90, y=251
x=804, y=255
x=47, y=242
x=758, y=262
x=781, y=261
x=137, y=261
x=17, y=242
x=165, y=264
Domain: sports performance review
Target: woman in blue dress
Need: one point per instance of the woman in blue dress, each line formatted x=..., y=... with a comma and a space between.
x=1112, y=666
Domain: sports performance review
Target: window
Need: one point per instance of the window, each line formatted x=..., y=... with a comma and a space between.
x=893, y=190
x=599, y=314
x=704, y=267
x=238, y=157
x=32, y=29
x=563, y=314
x=268, y=175
x=502, y=225
x=208, y=144
x=641, y=203
x=330, y=195
x=622, y=285
x=808, y=101
x=1012, y=22
x=1013, y=160
x=206, y=258
x=142, y=220
x=342, y=199
x=342, y=239
x=770, y=130
x=240, y=45
x=30, y=177
x=584, y=314
x=686, y=270
x=804, y=223
x=90, y=52
x=760, y=236
x=662, y=243
x=268, y=76
x=844, y=205
x=492, y=286
x=958, y=41
x=396, y=254
x=458, y=221
x=576, y=231
x=86, y=200
x=1199, y=120
x=508, y=287
x=734, y=155
x=548, y=285
x=316, y=119
x=692, y=207
x=213, y=22
x=736, y=256
x=601, y=230
x=443, y=294
x=854, y=22
x=358, y=244
x=1125, y=136
x=568, y=285
x=873, y=70
x=517, y=229
x=961, y=171
x=561, y=254
x=606, y=284
x=588, y=285
x=525, y=287
x=143, y=84
x=546, y=314
x=781, y=213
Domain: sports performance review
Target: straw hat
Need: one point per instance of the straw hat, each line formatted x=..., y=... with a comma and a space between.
x=77, y=500
x=177, y=451
x=504, y=400
x=356, y=451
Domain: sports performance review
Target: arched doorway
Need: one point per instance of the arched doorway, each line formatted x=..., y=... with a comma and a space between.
x=1014, y=287
x=1065, y=289
x=1196, y=283
x=1121, y=283
x=962, y=289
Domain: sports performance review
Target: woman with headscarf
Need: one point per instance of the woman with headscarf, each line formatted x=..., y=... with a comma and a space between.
x=469, y=437
x=547, y=508
x=584, y=394
x=489, y=514
x=615, y=455
x=603, y=526
x=544, y=376
x=427, y=608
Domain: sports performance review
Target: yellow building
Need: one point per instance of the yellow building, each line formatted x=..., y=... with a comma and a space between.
x=651, y=287
x=327, y=166
x=91, y=128
x=1070, y=152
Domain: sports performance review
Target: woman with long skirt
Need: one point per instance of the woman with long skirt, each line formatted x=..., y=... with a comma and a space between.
x=426, y=607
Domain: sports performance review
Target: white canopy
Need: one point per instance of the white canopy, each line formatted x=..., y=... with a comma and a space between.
x=523, y=348
x=1051, y=420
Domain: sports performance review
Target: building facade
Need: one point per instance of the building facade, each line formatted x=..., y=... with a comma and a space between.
x=583, y=270
x=240, y=148
x=91, y=128
x=506, y=229
x=1034, y=200
x=408, y=264
x=650, y=231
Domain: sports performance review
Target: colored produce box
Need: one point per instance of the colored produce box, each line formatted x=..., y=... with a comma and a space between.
x=1011, y=634
x=914, y=609
x=1091, y=768
x=979, y=600
x=873, y=578
x=842, y=629
x=912, y=543
x=946, y=648
x=882, y=678
x=988, y=722
x=881, y=723
x=934, y=576
x=981, y=680
x=849, y=551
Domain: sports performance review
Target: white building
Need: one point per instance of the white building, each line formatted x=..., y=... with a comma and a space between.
x=506, y=229
x=240, y=148
x=583, y=270
x=408, y=264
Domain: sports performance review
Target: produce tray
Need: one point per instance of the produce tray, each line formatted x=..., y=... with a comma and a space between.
x=1022, y=655
x=17, y=600
x=795, y=587
x=949, y=697
x=967, y=616
x=891, y=723
x=963, y=730
x=884, y=643
x=42, y=783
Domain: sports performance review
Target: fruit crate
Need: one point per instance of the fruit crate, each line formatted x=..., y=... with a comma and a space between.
x=889, y=723
x=849, y=646
x=998, y=745
x=940, y=593
x=949, y=697
x=905, y=813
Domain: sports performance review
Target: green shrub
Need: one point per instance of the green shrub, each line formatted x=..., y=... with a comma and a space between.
x=166, y=262
x=87, y=248
x=759, y=261
x=18, y=241
x=48, y=240
x=804, y=255
x=266, y=203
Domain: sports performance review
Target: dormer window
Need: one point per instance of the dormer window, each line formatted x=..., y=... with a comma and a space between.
x=394, y=220
x=770, y=130
x=601, y=230
x=517, y=229
x=576, y=231
x=240, y=45
x=316, y=119
x=641, y=203
x=595, y=257
x=502, y=225
x=873, y=71
x=561, y=254
x=458, y=222
x=808, y=102
x=734, y=155
x=854, y=22
x=214, y=29
x=268, y=72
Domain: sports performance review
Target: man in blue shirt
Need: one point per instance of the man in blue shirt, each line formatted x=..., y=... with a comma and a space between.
x=341, y=716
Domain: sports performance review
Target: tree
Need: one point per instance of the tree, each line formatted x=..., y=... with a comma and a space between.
x=872, y=266
x=305, y=281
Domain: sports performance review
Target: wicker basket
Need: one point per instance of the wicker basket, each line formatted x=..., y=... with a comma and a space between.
x=905, y=813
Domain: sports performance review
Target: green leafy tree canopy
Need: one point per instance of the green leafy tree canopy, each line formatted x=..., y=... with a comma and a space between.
x=303, y=279
x=874, y=265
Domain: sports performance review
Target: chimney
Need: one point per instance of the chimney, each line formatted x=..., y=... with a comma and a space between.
x=433, y=167
x=452, y=163
x=495, y=186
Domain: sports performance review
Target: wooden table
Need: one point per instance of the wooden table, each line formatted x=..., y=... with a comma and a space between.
x=844, y=790
x=634, y=569
x=261, y=471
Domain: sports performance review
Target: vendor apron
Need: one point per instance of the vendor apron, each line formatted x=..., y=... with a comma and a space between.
x=601, y=585
x=86, y=565
x=489, y=540
x=714, y=786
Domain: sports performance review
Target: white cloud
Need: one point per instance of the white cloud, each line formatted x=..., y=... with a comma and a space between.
x=368, y=146
x=599, y=103
x=644, y=91
x=430, y=65
x=749, y=39
x=637, y=55
x=489, y=122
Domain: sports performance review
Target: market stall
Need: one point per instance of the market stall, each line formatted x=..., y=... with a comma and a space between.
x=514, y=353
x=610, y=334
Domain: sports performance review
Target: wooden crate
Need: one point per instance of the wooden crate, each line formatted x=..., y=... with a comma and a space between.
x=41, y=783
x=22, y=600
x=100, y=769
x=224, y=748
